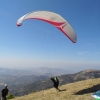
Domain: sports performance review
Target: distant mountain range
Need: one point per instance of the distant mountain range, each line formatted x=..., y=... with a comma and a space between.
x=14, y=72
x=19, y=78
x=47, y=83
x=45, y=71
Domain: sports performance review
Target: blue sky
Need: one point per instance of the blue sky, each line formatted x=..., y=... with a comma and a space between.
x=39, y=44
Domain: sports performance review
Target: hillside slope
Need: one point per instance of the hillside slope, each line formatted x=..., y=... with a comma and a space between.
x=47, y=84
x=81, y=90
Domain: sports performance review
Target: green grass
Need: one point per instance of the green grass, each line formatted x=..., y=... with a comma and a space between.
x=69, y=94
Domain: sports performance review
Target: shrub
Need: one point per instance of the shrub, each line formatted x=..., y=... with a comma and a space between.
x=10, y=96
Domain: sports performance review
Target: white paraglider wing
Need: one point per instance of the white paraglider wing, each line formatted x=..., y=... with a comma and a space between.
x=54, y=19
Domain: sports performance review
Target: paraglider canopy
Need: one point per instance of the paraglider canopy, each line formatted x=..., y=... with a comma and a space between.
x=54, y=19
x=96, y=95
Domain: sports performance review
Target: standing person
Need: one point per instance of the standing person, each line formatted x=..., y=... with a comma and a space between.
x=4, y=92
x=56, y=82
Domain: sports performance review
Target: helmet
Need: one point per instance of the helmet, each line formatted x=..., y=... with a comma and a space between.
x=5, y=85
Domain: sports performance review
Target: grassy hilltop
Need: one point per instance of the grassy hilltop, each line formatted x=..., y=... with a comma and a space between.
x=81, y=90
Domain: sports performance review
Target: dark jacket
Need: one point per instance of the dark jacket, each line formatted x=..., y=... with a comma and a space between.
x=55, y=81
x=4, y=92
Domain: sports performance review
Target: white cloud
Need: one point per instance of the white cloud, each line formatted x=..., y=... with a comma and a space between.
x=94, y=54
x=81, y=53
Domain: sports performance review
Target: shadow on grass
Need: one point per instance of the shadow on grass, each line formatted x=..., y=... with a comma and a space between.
x=63, y=90
x=89, y=90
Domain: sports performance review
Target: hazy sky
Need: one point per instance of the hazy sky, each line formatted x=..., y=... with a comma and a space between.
x=39, y=44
